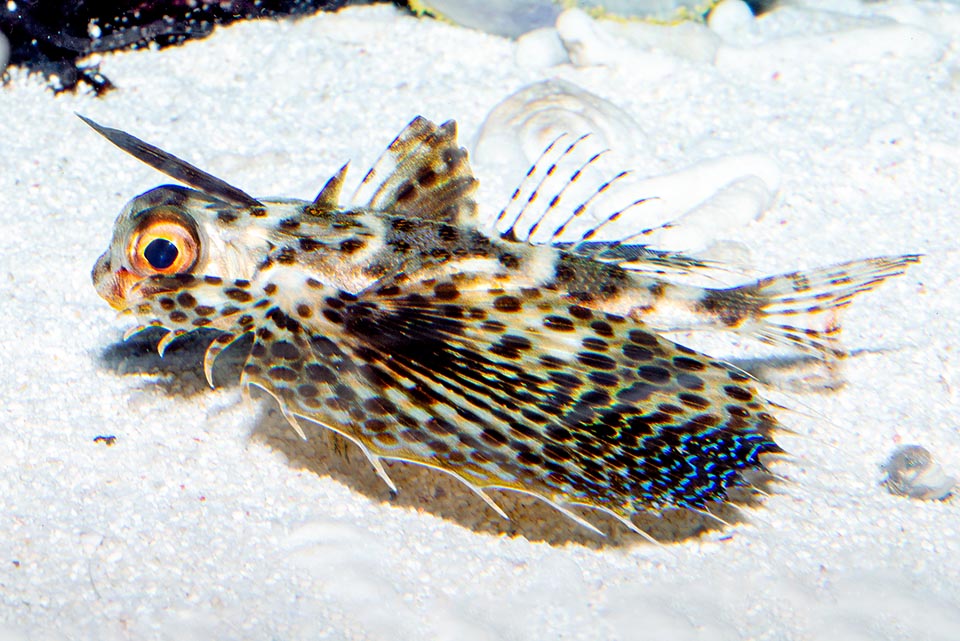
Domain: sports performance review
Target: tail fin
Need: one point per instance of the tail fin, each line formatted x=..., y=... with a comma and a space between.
x=802, y=309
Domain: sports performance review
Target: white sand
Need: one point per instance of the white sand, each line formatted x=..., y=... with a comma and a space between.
x=209, y=519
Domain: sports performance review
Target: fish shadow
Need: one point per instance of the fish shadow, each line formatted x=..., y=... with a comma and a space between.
x=324, y=453
x=800, y=373
x=427, y=490
x=179, y=372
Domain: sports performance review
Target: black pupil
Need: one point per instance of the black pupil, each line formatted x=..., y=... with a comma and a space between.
x=160, y=253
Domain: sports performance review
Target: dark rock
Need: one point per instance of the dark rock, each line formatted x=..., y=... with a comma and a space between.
x=51, y=36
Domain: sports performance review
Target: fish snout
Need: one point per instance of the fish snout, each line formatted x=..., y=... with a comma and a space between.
x=112, y=285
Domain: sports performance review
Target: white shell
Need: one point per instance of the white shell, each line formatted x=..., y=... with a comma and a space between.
x=912, y=472
x=516, y=131
x=704, y=201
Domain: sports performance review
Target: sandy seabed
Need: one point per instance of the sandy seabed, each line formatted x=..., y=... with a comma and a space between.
x=208, y=518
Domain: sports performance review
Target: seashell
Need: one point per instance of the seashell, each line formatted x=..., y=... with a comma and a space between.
x=702, y=201
x=707, y=200
x=516, y=132
x=518, y=129
x=912, y=472
x=729, y=200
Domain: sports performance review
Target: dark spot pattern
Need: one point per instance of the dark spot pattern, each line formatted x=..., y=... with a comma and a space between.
x=507, y=304
x=628, y=420
x=309, y=244
x=558, y=323
x=446, y=291
x=238, y=295
x=730, y=306
x=186, y=300
x=352, y=245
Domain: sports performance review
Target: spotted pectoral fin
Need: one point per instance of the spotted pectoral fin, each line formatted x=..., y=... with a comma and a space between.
x=533, y=395
x=425, y=173
x=313, y=378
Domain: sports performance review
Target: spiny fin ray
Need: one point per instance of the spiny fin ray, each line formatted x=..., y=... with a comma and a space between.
x=329, y=197
x=424, y=173
x=174, y=167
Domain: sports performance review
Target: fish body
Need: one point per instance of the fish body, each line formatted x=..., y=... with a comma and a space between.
x=397, y=321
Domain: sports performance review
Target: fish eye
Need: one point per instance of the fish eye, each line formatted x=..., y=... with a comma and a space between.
x=160, y=253
x=164, y=242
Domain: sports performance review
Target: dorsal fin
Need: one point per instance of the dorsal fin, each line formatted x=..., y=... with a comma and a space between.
x=329, y=196
x=174, y=167
x=423, y=173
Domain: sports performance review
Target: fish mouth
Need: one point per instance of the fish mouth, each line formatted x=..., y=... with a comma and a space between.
x=116, y=288
x=113, y=286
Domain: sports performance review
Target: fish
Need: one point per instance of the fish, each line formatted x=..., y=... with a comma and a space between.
x=400, y=321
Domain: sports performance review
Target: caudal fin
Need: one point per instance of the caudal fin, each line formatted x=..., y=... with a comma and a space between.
x=802, y=309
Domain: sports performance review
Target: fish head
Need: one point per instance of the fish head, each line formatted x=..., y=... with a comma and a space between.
x=175, y=231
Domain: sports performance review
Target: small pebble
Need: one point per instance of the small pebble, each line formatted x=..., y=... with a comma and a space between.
x=730, y=17
x=592, y=43
x=912, y=472
x=540, y=49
